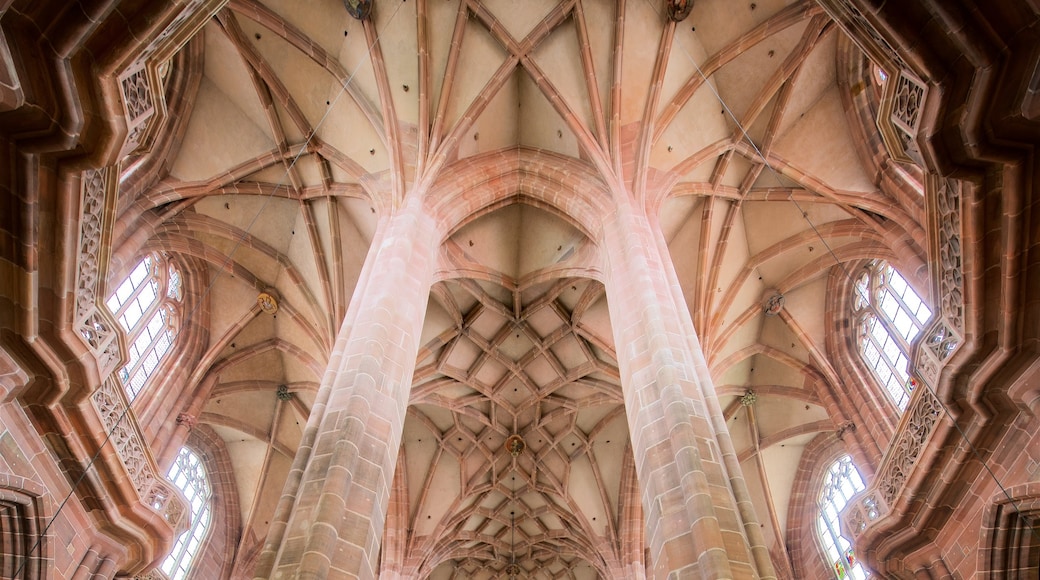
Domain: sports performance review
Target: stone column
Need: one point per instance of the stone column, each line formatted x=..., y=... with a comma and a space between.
x=695, y=526
x=340, y=499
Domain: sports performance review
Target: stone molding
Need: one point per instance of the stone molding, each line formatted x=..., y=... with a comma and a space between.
x=940, y=340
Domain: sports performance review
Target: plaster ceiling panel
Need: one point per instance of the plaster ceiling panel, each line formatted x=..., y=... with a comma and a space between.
x=576, y=291
x=781, y=462
x=720, y=22
x=305, y=257
x=736, y=172
x=247, y=458
x=440, y=28
x=219, y=135
x=519, y=18
x=546, y=240
x=229, y=73
x=307, y=82
x=569, y=353
x=814, y=78
x=399, y=46
x=270, y=493
x=480, y=56
x=741, y=80
x=420, y=448
x=498, y=126
x=436, y=322
x=766, y=370
x=493, y=240
x=302, y=366
x=307, y=167
x=685, y=58
x=269, y=219
x=559, y=58
x=596, y=322
x=356, y=60
x=541, y=127
x=775, y=221
x=758, y=498
x=544, y=321
x=541, y=371
x=323, y=21
x=820, y=144
x=737, y=374
x=582, y=486
x=744, y=336
x=305, y=331
x=777, y=334
x=490, y=373
x=356, y=215
x=600, y=22
x=740, y=432
x=515, y=345
x=347, y=129
x=806, y=305
x=230, y=301
x=785, y=413
x=463, y=353
x=642, y=34
x=771, y=177
x=747, y=296
x=274, y=174
x=257, y=329
x=679, y=214
x=254, y=409
x=701, y=128
x=732, y=263
x=609, y=449
x=759, y=127
x=267, y=364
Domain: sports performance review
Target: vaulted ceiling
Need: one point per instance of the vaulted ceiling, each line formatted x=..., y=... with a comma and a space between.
x=306, y=128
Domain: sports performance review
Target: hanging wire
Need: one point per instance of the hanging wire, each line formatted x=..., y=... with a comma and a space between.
x=234, y=248
x=837, y=261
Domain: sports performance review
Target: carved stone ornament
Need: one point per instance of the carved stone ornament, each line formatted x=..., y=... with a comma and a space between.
x=678, y=10
x=267, y=303
x=360, y=9
x=774, y=304
x=515, y=445
x=187, y=419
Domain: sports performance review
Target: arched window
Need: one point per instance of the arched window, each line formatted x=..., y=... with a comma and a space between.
x=889, y=316
x=841, y=483
x=146, y=305
x=189, y=474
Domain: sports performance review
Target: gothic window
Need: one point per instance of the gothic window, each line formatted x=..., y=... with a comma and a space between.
x=841, y=483
x=889, y=317
x=146, y=306
x=189, y=474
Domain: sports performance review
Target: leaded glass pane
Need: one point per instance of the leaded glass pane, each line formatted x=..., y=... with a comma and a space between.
x=896, y=317
x=840, y=484
x=143, y=304
x=189, y=474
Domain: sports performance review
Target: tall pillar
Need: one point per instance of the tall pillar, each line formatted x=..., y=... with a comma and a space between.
x=339, y=502
x=696, y=524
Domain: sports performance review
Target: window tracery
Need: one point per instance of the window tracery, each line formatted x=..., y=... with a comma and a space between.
x=889, y=317
x=840, y=484
x=146, y=304
x=189, y=474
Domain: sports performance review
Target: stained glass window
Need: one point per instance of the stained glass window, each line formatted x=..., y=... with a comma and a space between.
x=189, y=474
x=841, y=483
x=889, y=317
x=146, y=306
